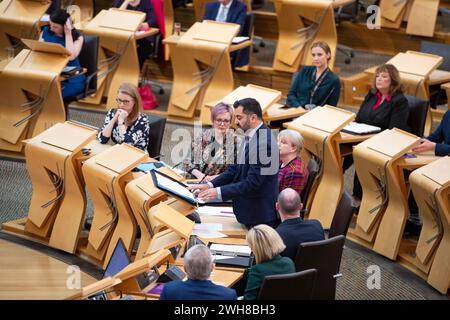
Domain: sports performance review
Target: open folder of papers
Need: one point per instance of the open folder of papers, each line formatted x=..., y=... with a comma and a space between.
x=227, y=255
x=360, y=128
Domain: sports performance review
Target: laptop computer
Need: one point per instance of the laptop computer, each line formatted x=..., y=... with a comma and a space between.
x=118, y=261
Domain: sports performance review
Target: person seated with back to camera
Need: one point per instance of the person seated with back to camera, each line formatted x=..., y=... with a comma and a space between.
x=144, y=46
x=266, y=245
x=293, y=172
x=62, y=32
x=293, y=229
x=126, y=123
x=215, y=149
x=315, y=85
x=198, y=264
x=384, y=106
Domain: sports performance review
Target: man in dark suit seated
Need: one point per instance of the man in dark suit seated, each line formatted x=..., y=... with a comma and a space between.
x=233, y=11
x=293, y=229
x=252, y=183
x=198, y=264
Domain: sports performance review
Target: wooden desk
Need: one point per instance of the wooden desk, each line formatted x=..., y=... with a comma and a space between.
x=19, y=19
x=106, y=175
x=429, y=256
x=300, y=24
x=202, y=68
x=58, y=202
x=278, y=112
x=118, y=61
x=31, y=101
x=384, y=206
x=320, y=128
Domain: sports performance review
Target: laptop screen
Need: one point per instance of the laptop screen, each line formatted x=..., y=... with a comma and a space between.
x=118, y=260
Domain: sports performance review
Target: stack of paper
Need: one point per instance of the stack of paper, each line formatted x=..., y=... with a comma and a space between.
x=237, y=40
x=216, y=211
x=208, y=230
x=360, y=128
x=230, y=249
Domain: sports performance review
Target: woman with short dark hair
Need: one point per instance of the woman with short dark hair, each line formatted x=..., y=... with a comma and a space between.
x=62, y=32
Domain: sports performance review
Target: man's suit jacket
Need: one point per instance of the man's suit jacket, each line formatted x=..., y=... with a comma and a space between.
x=253, y=184
x=196, y=290
x=296, y=231
x=236, y=13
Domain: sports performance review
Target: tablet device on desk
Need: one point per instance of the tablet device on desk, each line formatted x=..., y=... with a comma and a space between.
x=174, y=187
x=118, y=261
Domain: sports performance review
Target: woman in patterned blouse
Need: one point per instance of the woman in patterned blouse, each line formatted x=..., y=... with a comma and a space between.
x=214, y=150
x=293, y=173
x=126, y=124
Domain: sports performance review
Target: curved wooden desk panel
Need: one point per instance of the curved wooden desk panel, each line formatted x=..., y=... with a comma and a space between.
x=118, y=61
x=113, y=218
x=431, y=188
x=142, y=195
x=202, y=67
x=293, y=49
x=319, y=128
x=58, y=201
x=19, y=19
x=32, y=101
x=383, y=187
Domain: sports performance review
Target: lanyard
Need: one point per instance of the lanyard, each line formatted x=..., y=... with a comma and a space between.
x=317, y=83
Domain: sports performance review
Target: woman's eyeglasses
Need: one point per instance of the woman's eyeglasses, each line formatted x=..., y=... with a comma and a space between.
x=125, y=102
x=222, y=121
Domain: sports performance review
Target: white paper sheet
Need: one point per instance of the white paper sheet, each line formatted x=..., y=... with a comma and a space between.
x=227, y=248
x=216, y=211
x=208, y=234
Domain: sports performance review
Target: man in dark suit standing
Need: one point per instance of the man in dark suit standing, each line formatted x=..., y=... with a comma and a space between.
x=252, y=183
x=198, y=263
x=293, y=229
x=233, y=11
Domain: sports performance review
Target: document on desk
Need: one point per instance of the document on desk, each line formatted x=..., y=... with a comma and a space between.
x=208, y=226
x=208, y=230
x=230, y=249
x=216, y=211
x=360, y=128
x=237, y=40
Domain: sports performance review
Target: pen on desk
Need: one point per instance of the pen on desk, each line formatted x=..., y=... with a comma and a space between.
x=203, y=178
x=230, y=212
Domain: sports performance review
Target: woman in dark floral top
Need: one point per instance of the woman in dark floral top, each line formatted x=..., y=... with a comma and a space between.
x=126, y=124
x=215, y=149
